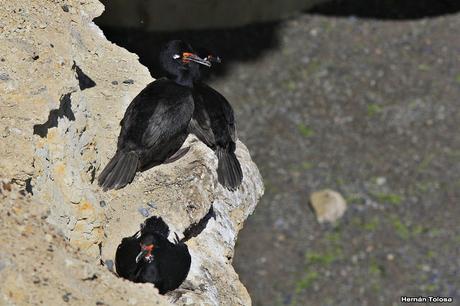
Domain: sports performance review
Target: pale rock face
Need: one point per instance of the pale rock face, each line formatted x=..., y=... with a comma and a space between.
x=59, y=129
x=39, y=267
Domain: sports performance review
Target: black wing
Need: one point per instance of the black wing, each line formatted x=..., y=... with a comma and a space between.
x=200, y=125
x=214, y=116
x=174, y=265
x=167, y=121
x=125, y=257
x=158, y=112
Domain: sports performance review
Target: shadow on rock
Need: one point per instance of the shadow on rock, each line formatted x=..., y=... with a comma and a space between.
x=237, y=44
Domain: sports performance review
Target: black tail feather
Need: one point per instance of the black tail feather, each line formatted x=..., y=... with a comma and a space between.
x=229, y=171
x=111, y=179
x=130, y=168
x=108, y=168
x=120, y=171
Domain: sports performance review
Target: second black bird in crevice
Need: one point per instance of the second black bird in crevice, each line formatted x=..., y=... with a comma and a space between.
x=149, y=257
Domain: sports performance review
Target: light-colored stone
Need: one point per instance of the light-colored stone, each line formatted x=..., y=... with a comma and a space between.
x=329, y=205
x=40, y=41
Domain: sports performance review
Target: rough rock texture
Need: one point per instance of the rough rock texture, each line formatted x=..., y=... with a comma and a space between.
x=64, y=90
x=36, y=261
x=158, y=15
x=183, y=193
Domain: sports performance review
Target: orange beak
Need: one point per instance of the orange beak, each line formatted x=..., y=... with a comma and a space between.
x=191, y=57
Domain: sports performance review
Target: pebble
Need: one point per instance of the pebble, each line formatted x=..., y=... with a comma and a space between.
x=426, y=268
x=66, y=297
x=354, y=259
x=4, y=76
x=109, y=264
x=152, y=205
x=144, y=211
x=381, y=181
x=329, y=205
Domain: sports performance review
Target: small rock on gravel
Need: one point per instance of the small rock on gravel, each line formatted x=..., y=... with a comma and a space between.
x=143, y=211
x=329, y=205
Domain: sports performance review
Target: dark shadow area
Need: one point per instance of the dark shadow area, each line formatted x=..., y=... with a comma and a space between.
x=387, y=9
x=64, y=110
x=250, y=42
x=237, y=44
x=195, y=229
x=28, y=187
x=84, y=81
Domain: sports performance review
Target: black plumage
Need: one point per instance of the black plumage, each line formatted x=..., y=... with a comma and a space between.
x=213, y=122
x=155, y=124
x=149, y=257
x=125, y=257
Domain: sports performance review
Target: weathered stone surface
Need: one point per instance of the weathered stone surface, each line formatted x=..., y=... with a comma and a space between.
x=157, y=15
x=329, y=205
x=64, y=90
x=39, y=267
x=183, y=193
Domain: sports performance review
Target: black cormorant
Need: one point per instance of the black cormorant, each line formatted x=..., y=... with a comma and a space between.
x=149, y=257
x=155, y=124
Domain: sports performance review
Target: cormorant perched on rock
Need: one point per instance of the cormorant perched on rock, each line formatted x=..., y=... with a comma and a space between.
x=213, y=123
x=155, y=124
x=149, y=257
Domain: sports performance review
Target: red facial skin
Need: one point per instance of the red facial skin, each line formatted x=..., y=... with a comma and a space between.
x=185, y=56
x=149, y=248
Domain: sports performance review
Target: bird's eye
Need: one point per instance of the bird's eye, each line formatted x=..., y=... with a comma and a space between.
x=176, y=56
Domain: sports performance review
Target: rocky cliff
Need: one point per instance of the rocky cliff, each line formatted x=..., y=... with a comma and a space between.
x=64, y=89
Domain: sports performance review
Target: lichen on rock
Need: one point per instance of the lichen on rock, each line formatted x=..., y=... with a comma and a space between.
x=64, y=90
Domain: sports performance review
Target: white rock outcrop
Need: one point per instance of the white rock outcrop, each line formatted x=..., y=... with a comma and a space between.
x=64, y=89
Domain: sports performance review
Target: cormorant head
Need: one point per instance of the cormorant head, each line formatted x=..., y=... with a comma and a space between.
x=148, y=242
x=181, y=63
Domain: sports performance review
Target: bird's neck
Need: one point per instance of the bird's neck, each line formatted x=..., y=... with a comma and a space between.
x=184, y=80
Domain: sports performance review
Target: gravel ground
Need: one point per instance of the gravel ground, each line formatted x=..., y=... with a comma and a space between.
x=366, y=107
x=371, y=109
